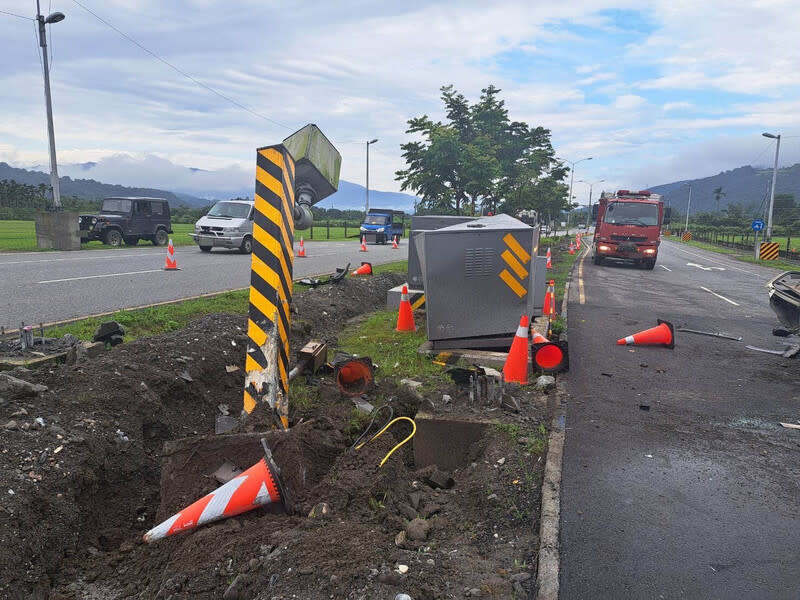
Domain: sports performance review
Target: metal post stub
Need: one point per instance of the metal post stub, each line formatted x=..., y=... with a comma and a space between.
x=271, y=283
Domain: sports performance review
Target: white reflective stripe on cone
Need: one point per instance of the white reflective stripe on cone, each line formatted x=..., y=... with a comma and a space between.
x=522, y=332
x=216, y=508
x=629, y=340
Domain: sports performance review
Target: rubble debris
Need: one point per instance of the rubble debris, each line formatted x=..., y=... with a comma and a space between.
x=13, y=385
x=418, y=529
x=711, y=334
x=439, y=479
x=105, y=331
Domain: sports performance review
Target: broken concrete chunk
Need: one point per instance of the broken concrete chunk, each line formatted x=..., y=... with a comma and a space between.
x=414, y=498
x=320, y=511
x=106, y=330
x=545, y=382
x=94, y=349
x=439, y=479
x=411, y=383
x=12, y=384
x=115, y=340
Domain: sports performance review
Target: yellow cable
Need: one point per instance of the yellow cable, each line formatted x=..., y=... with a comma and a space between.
x=385, y=427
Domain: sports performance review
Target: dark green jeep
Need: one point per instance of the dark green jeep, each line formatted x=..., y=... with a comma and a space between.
x=128, y=220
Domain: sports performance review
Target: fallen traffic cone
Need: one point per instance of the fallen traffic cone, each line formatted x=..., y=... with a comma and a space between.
x=394, y=243
x=571, y=248
x=364, y=269
x=549, y=258
x=663, y=334
x=405, y=316
x=363, y=243
x=548, y=357
x=301, y=252
x=171, y=264
x=549, y=304
x=516, y=367
x=257, y=486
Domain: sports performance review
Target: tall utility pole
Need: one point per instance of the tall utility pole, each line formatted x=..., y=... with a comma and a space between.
x=768, y=235
x=366, y=204
x=52, y=18
x=591, y=185
x=572, y=174
x=688, y=206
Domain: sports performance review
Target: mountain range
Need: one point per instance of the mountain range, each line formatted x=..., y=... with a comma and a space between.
x=182, y=185
x=746, y=186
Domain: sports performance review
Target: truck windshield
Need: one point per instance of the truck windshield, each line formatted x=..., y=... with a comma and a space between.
x=116, y=205
x=631, y=213
x=233, y=210
x=376, y=220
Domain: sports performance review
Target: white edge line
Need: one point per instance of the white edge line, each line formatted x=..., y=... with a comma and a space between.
x=99, y=276
x=719, y=296
x=665, y=268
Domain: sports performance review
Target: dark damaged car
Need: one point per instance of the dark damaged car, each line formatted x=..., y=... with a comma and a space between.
x=128, y=220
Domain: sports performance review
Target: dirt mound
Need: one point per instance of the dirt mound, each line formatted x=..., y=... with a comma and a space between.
x=81, y=486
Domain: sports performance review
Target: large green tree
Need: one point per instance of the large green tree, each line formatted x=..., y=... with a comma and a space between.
x=479, y=158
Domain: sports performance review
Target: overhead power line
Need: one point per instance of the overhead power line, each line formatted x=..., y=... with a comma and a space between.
x=5, y=12
x=177, y=70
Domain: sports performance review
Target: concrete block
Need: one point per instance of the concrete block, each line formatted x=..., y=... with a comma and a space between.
x=57, y=230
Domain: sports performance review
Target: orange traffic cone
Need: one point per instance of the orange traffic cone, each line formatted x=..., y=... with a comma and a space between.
x=663, y=334
x=364, y=269
x=171, y=264
x=301, y=251
x=549, y=258
x=547, y=356
x=578, y=241
x=363, y=243
x=571, y=248
x=394, y=243
x=549, y=304
x=405, y=316
x=516, y=367
x=257, y=486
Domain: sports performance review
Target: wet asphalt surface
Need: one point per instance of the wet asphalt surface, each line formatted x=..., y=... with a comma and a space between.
x=53, y=286
x=678, y=481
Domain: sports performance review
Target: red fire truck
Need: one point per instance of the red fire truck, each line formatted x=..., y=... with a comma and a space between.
x=628, y=227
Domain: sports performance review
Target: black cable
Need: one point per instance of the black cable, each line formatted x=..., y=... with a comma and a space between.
x=375, y=412
x=174, y=68
x=5, y=12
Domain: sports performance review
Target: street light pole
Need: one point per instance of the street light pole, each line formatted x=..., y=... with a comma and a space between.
x=591, y=185
x=366, y=205
x=572, y=174
x=688, y=206
x=768, y=235
x=52, y=18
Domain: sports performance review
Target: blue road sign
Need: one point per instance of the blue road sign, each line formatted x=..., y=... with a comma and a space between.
x=757, y=225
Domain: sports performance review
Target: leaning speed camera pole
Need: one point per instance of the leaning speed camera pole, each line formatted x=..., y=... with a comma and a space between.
x=290, y=178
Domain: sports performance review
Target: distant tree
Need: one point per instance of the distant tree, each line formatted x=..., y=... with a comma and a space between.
x=480, y=158
x=718, y=194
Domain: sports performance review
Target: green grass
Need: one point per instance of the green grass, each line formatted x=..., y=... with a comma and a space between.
x=176, y=315
x=159, y=319
x=395, y=352
x=21, y=236
x=739, y=254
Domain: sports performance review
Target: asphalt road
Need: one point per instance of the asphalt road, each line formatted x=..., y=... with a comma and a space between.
x=53, y=286
x=699, y=495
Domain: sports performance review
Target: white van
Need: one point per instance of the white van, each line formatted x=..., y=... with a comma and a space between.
x=229, y=224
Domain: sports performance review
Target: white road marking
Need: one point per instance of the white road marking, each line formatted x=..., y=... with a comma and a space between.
x=718, y=296
x=581, y=294
x=665, y=268
x=706, y=258
x=99, y=276
x=48, y=260
x=705, y=268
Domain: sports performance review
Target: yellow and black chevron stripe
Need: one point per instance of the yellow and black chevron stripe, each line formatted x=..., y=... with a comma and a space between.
x=417, y=300
x=769, y=251
x=516, y=257
x=271, y=281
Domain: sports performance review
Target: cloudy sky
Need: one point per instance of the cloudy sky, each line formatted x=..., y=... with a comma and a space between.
x=653, y=91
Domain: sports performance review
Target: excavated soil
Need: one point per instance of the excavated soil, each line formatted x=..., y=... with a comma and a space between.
x=99, y=458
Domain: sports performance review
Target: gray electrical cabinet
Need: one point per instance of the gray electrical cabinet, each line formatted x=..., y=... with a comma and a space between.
x=420, y=223
x=479, y=280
